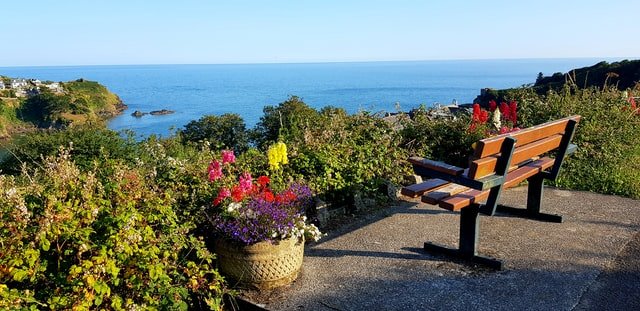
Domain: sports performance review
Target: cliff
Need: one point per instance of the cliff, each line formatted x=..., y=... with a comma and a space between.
x=622, y=75
x=37, y=105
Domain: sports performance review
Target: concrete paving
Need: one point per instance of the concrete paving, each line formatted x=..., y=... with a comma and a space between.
x=589, y=262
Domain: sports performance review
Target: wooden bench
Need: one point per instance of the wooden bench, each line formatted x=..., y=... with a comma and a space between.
x=497, y=163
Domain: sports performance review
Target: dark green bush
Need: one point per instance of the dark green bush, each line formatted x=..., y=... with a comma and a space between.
x=90, y=144
x=444, y=140
x=227, y=131
x=287, y=121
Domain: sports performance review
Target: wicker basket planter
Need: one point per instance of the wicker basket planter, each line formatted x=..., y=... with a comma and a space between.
x=262, y=265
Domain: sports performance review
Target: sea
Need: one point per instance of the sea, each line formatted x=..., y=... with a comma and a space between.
x=193, y=91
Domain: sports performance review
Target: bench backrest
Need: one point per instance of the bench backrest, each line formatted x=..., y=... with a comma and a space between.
x=531, y=142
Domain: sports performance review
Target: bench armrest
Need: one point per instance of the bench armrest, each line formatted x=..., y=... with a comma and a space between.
x=437, y=166
x=451, y=173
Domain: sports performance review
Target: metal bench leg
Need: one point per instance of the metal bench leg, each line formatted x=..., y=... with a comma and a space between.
x=468, y=244
x=534, y=203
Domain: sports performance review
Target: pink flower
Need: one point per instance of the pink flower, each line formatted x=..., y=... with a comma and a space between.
x=228, y=156
x=215, y=170
x=223, y=194
x=246, y=182
x=504, y=130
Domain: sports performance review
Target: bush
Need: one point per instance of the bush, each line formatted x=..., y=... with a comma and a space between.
x=288, y=121
x=227, y=131
x=98, y=239
x=344, y=155
x=608, y=156
x=89, y=144
x=444, y=140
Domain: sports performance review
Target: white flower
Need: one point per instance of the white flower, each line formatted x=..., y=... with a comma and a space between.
x=233, y=207
x=496, y=119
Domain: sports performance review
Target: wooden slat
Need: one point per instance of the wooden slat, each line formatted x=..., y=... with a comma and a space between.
x=464, y=199
x=437, y=166
x=436, y=195
x=486, y=166
x=492, y=145
x=417, y=190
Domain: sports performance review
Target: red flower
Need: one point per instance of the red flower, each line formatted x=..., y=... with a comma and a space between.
x=505, y=111
x=476, y=112
x=484, y=116
x=263, y=181
x=237, y=194
x=513, y=106
x=268, y=196
x=492, y=105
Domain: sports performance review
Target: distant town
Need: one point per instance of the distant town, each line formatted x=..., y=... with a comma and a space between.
x=10, y=87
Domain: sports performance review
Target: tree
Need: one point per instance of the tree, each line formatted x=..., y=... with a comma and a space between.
x=286, y=121
x=227, y=131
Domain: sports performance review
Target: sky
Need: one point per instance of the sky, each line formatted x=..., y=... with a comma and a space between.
x=122, y=32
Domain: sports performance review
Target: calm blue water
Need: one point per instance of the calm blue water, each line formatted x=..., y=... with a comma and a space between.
x=197, y=90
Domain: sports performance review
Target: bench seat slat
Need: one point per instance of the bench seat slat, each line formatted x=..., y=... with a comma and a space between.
x=434, y=196
x=487, y=166
x=489, y=146
x=464, y=199
x=417, y=190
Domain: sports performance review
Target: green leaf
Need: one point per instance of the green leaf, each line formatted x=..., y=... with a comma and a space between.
x=19, y=275
x=45, y=244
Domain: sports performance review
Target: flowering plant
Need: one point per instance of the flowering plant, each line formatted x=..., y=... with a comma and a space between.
x=246, y=210
x=503, y=118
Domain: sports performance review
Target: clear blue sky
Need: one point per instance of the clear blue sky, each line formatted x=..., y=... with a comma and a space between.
x=74, y=32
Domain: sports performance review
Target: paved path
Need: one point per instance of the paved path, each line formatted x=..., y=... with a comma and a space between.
x=589, y=262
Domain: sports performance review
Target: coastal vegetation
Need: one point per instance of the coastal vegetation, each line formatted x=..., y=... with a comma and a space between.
x=92, y=218
x=68, y=104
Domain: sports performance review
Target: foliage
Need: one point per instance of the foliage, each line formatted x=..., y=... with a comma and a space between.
x=344, y=155
x=89, y=144
x=227, y=131
x=441, y=139
x=107, y=239
x=608, y=156
x=248, y=211
x=92, y=96
x=288, y=122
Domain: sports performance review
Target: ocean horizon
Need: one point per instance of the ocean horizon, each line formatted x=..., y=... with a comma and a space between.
x=193, y=90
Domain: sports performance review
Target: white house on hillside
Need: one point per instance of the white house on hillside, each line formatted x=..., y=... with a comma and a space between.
x=1, y=85
x=18, y=83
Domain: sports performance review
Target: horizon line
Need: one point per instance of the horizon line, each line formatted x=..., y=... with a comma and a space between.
x=332, y=62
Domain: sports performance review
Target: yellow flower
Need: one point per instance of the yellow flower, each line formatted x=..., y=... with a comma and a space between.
x=277, y=155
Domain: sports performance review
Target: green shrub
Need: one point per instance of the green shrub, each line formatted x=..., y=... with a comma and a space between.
x=343, y=155
x=608, y=156
x=444, y=140
x=98, y=239
x=227, y=131
x=90, y=144
x=287, y=121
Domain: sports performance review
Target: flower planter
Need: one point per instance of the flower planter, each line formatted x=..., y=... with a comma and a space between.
x=262, y=265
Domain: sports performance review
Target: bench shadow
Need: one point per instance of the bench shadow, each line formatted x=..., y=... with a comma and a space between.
x=415, y=253
x=369, y=217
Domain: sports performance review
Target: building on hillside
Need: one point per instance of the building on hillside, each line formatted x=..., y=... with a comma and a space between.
x=18, y=83
x=35, y=82
x=54, y=87
x=2, y=85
